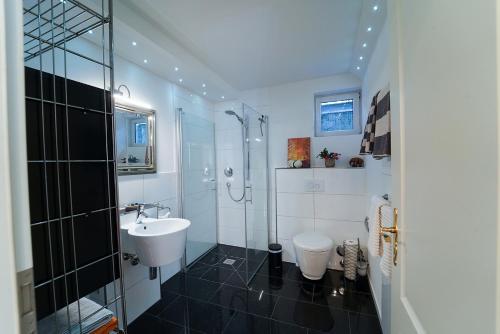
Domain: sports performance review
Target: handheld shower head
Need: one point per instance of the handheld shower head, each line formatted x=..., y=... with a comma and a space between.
x=232, y=113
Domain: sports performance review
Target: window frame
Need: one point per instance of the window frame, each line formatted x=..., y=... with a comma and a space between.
x=355, y=96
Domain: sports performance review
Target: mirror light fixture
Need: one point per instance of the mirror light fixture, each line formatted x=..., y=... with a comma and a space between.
x=120, y=97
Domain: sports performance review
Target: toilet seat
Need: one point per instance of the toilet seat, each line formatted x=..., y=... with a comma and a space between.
x=313, y=242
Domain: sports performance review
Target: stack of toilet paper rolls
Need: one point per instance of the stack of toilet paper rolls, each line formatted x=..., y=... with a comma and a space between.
x=350, y=259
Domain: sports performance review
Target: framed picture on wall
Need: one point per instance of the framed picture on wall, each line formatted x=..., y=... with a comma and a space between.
x=299, y=152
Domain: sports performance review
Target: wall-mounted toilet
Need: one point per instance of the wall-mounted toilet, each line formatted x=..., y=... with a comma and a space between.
x=312, y=251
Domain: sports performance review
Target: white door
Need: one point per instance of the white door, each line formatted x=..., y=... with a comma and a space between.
x=444, y=93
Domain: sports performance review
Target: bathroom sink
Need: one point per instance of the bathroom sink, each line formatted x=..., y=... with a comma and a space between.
x=159, y=241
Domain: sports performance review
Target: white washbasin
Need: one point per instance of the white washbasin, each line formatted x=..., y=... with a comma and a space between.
x=159, y=241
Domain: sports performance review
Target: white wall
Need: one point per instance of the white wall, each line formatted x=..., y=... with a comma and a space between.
x=160, y=187
x=378, y=171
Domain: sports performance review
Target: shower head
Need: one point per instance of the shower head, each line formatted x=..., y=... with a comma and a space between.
x=232, y=113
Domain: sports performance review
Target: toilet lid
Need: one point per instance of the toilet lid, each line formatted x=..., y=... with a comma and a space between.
x=313, y=242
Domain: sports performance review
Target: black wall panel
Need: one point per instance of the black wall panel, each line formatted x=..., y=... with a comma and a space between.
x=72, y=181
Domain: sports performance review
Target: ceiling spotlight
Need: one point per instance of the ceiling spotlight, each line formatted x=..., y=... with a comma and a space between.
x=358, y=68
x=203, y=85
x=145, y=61
x=91, y=32
x=360, y=57
x=369, y=29
x=176, y=69
x=364, y=45
x=222, y=97
x=181, y=80
x=204, y=93
x=134, y=43
x=375, y=8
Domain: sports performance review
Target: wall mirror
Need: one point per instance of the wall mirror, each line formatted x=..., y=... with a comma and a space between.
x=135, y=140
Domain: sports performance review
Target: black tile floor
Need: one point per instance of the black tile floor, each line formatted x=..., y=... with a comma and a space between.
x=212, y=298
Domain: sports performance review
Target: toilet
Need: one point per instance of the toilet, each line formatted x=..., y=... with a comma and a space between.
x=313, y=253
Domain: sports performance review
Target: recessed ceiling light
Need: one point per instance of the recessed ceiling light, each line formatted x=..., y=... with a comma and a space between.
x=176, y=69
x=181, y=80
x=145, y=61
x=375, y=8
x=360, y=57
x=369, y=29
x=222, y=97
x=134, y=43
x=358, y=68
x=204, y=93
x=90, y=31
x=203, y=85
x=364, y=45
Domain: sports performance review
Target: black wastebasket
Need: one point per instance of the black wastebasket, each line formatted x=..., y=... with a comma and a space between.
x=275, y=257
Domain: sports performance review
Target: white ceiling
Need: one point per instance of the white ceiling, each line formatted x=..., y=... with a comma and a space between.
x=260, y=43
x=234, y=45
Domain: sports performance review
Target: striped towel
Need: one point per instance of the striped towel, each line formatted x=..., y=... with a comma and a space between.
x=382, y=144
x=377, y=134
x=369, y=134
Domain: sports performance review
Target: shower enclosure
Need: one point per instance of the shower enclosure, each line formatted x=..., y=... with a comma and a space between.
x=241, y=185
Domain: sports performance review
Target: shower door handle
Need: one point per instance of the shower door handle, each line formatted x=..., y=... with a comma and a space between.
x=248, y=194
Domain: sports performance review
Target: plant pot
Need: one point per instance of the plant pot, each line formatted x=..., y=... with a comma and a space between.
x=329, y=163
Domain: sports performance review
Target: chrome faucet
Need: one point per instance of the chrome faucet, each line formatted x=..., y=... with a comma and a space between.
x=141, y=214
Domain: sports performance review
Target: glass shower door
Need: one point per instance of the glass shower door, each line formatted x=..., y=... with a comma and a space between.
x=256, y=189
x=198, y=183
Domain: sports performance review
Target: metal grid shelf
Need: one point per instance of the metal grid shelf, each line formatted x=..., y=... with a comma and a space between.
x=51, y=24
x=63, y=263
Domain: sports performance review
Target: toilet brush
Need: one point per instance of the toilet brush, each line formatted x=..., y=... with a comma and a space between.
x=350, y=259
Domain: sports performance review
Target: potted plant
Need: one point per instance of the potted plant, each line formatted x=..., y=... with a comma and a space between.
x=329, y=157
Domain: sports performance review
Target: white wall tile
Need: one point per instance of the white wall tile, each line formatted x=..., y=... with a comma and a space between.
x=232, y=218
x=341, y=180
x=159, y=187
x=340, y=207
x=295, y=205
x=130, y=189
x=288, y=227
x=141, y=296
x=232, y=236
x=295, y=180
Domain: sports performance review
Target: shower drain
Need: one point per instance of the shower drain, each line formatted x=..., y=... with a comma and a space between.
x=229, y=262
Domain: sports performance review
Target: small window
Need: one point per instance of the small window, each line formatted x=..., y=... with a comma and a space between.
x=337, y=114
x=141, y=131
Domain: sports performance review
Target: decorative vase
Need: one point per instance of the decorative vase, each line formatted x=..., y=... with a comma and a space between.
x=329, y=163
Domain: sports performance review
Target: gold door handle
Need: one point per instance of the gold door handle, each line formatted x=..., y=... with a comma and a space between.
x=394, y=230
